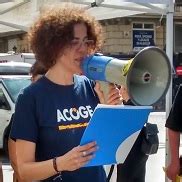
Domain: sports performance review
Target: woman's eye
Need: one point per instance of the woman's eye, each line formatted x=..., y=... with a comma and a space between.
x=89, y=42
x=75, y=42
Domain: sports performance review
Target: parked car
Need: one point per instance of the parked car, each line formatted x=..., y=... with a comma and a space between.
x=15, y=68
x=13, y=78
x=20, y=57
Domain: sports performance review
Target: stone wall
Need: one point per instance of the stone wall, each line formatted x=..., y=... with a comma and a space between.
x=23, y=44
x=117, y=39
x=118, y=34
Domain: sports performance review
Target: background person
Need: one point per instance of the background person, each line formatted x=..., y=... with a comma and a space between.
x=36, y=72
x=60, y=104
x=174, y=128
x=134, y=167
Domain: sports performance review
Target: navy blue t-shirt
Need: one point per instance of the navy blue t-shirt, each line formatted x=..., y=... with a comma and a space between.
x=54, y=117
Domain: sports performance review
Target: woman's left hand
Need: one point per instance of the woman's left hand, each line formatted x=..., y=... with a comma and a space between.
x=113, y=97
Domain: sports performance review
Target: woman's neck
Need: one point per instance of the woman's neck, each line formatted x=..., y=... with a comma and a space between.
x=59, y=76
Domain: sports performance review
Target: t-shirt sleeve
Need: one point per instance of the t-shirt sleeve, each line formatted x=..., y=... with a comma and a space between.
x=25, y=125
x=174, y=120
x=8, y=129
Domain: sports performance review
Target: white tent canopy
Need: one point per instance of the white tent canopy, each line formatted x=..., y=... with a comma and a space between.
x=19, y=14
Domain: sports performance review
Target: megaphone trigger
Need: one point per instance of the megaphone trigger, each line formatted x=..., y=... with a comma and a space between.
x=126, y=67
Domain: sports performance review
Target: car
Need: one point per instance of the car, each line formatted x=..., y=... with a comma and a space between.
x=13, y=78
x=17, y=57
x=15, y=68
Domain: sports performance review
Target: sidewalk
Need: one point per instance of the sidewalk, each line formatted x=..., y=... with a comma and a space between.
x=7, y=173
x=154, y=171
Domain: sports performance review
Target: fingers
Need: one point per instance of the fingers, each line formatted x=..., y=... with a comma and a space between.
x=88, y=147
x=111, y=95
x=124, y=93
x=87, y=152
x=172, y=170
x=79, y=156
x=114, y=96
x=83, y=151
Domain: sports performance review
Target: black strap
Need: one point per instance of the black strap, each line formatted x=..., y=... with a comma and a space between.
x=110, y=173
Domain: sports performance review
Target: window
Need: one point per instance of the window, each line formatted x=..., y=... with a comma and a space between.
x=137, y=25
x=149, y=26
x=143, y=36
x=177, y=38
x=15, y=85
x=3, y=101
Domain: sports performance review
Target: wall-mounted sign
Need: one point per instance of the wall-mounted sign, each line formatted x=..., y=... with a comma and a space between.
x=142, y=38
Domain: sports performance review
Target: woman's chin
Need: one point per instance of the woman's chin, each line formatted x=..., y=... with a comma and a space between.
x=79, y=72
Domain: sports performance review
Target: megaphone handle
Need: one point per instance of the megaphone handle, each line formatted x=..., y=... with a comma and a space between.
x=104, y=87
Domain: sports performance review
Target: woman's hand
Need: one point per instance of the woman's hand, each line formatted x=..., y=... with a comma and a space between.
x=77, y=157
x=172, y=170
x=124, y=93
x=113, y=96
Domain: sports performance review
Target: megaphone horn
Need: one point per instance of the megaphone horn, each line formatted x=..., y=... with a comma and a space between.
x=147, y=76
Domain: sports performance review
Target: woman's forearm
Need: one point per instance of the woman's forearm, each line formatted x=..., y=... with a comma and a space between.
x=36, y=170
x=174, y=142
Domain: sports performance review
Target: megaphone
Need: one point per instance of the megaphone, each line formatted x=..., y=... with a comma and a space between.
x=147, y=76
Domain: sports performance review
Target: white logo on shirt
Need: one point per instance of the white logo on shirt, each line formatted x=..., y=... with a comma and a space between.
x=74, y=114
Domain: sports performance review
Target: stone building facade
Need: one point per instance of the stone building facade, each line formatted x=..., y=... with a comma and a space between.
x=118, y=34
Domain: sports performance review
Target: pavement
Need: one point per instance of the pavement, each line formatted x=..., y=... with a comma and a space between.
x=156, y=162
x=7, y=173
x=154, y=171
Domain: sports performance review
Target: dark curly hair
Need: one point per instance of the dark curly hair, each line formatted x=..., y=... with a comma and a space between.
x=53, y=32
x=37, y=69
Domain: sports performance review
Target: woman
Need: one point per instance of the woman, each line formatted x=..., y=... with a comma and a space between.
x=60, y=104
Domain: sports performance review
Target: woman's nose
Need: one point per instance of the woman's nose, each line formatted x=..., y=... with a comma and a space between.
x=83, y=48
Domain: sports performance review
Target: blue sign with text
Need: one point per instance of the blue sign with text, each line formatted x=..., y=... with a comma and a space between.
x=142, y=38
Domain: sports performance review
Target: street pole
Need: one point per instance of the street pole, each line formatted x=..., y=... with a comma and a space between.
x=169, y=51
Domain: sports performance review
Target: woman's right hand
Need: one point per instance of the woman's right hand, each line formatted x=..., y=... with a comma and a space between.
x=173, y=170
x=124, y=93
x=112, y=97
x=77, y=157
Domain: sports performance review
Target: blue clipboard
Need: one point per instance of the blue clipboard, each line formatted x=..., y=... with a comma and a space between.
x=115, y=129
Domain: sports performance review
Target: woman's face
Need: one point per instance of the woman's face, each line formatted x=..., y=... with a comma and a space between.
x=73, y=55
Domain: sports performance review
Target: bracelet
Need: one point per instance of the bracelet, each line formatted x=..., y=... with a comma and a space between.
x=55, y=165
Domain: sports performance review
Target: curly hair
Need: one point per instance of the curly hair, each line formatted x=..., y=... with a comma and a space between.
x=37, y=69
x=54, y=30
